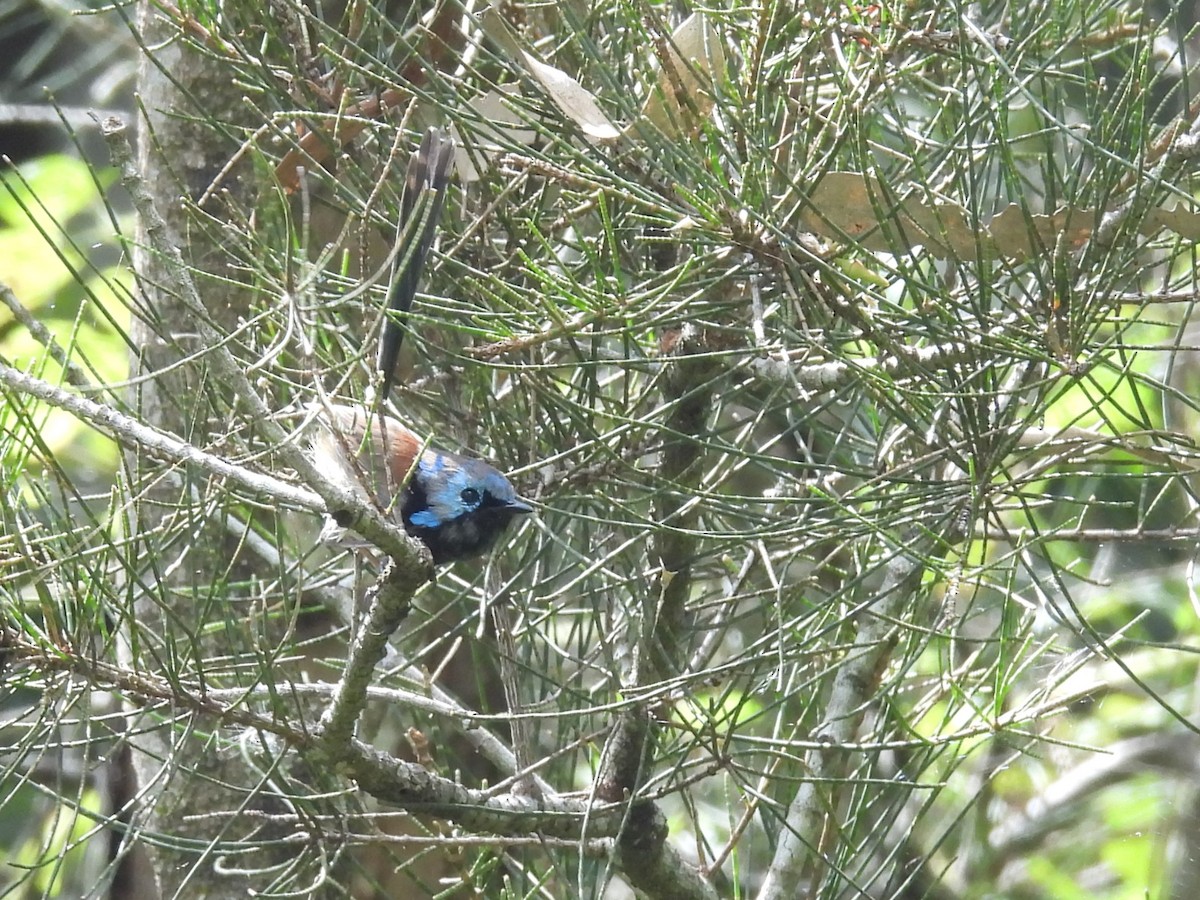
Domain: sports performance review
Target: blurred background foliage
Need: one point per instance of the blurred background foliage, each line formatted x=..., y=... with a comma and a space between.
x=866, y=424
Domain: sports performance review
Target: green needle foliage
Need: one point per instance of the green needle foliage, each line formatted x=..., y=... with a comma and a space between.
x=845, y=352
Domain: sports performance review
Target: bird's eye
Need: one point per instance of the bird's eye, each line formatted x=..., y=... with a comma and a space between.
x=469, y=496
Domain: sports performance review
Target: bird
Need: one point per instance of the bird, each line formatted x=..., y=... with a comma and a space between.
x=456, y=505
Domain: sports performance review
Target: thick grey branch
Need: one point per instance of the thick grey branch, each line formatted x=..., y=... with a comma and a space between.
x=407, y=785
x=389, y=606
x=129, y=431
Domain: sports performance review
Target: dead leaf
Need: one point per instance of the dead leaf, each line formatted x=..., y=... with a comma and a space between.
x=495, y=109
x=848, y=206
x=697, y=58
x=572, y=98
x=317, y=147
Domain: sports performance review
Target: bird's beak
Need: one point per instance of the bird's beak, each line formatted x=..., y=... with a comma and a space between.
x=519, y=506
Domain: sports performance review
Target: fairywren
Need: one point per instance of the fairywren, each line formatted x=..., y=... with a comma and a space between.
x=457, y=506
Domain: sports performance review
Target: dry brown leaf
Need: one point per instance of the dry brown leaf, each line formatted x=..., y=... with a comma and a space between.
x=850, y=206
x=572, y=98
x=495, y=108
x=576, y=103
x=697, y=57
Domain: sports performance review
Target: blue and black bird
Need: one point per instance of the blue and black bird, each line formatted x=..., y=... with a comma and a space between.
x=457, y=506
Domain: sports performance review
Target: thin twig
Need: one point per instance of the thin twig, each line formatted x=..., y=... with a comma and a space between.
x=157, y=443
x=853, y=686
x=73, y=373
x=408, y=785
x=519, y=725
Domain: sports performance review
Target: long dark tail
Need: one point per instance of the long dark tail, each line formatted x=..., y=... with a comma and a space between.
x=420, y=208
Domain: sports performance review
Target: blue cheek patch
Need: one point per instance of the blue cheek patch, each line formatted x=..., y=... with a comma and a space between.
x=424, y=519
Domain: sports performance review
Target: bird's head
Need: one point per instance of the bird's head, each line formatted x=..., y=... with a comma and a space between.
x=458, y=506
